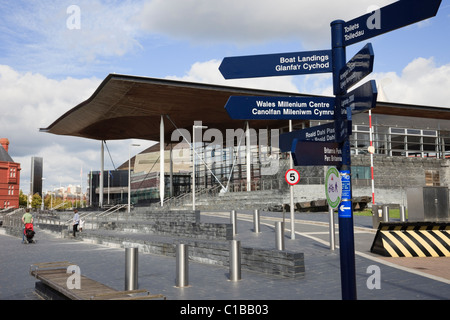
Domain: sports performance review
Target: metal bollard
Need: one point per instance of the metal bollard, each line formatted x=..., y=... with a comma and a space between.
x=182, y=279
x=235, y=260
x=256, y=221
x=402, y=213
x=233, y=220
x=386, y=213
x=279, y=235
x=131, y=269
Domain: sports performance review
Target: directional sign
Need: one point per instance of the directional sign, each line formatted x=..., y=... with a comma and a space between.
x=322, y=133
x=346, y=180
x=357, y=68
x=396, y=15
x=308, y=153
x=333, y=187
x=360, y=99
x=280, y=108
x=278, y=64
x=341, y=129
x=345, y=210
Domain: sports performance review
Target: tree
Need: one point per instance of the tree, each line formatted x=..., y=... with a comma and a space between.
x=36, y=201
x=23, y=201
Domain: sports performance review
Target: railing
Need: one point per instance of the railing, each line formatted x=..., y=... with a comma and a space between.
x=102, y=214
x=13, y=218
x=60, y=205
x=186, y=198
x=113, y=209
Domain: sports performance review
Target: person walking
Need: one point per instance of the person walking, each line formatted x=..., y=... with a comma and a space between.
x=76, y=221
x=26, y=219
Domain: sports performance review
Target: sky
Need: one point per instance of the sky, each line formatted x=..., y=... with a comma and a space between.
x=54, y=54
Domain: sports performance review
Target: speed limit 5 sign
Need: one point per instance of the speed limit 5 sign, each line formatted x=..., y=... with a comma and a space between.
x=292, y=177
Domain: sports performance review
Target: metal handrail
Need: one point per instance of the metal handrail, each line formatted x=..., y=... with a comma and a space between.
x=112, y=210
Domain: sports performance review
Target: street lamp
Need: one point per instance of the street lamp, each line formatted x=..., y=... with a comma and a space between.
x=193, y=162
x=42, y=192
x=129, y=174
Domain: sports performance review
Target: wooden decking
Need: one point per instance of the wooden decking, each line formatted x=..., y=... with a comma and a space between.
x=55, y=276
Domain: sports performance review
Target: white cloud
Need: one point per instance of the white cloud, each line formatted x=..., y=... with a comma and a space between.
x=31, y=101
x=421, y=82
x=250, y=21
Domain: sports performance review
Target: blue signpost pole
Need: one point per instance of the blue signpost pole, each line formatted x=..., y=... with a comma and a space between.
x=346, y=233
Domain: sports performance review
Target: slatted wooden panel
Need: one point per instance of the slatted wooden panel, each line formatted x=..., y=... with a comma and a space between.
x=55, y=276
x=57, y=280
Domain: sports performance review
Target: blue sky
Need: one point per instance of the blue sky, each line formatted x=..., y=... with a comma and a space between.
x=47, y=68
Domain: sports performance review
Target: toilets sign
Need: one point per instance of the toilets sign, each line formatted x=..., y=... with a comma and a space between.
x=391, y=17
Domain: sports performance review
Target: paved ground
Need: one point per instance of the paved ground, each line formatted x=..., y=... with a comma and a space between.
x=400, y=278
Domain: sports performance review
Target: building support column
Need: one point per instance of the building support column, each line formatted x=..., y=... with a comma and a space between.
x=102, y=168
x=161, y=162
x=171, y=170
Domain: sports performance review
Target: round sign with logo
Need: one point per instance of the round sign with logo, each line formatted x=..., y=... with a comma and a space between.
x=292, y=177
x=333, y=187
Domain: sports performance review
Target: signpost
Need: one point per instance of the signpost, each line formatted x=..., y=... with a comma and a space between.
x=312, y=146
x=280, y=108
x=333, y=191
x=322, y=133
x=308, y=153
x=388, y=18
x=280, y=64
x=357, y=68
x=360, y=99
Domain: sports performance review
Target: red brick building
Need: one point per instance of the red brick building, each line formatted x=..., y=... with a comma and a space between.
x=9, y=178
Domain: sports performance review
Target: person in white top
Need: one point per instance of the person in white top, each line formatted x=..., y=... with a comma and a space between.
x=76, y=221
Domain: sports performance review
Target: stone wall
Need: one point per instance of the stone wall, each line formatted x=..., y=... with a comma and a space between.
x=405, y=172
x=392, y=176
x=166, y=215
x=166, y=227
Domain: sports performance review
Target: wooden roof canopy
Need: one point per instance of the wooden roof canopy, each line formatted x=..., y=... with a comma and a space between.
x=125, y=107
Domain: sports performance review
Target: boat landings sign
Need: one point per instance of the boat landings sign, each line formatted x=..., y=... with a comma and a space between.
x=278, y=64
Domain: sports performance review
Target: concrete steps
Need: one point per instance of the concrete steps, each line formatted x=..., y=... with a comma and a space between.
x=262, y=200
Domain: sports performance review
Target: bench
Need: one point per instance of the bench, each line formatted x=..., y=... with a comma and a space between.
x=53, y=278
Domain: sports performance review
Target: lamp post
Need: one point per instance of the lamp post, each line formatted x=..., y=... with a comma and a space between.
x=42, y=192
x=129, y=174
x=193, y=161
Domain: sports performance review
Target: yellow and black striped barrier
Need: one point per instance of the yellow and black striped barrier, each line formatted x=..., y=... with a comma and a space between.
x=412, y=239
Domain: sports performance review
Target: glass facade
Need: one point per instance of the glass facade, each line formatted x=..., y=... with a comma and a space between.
x=224, y=165
x=401, y=136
